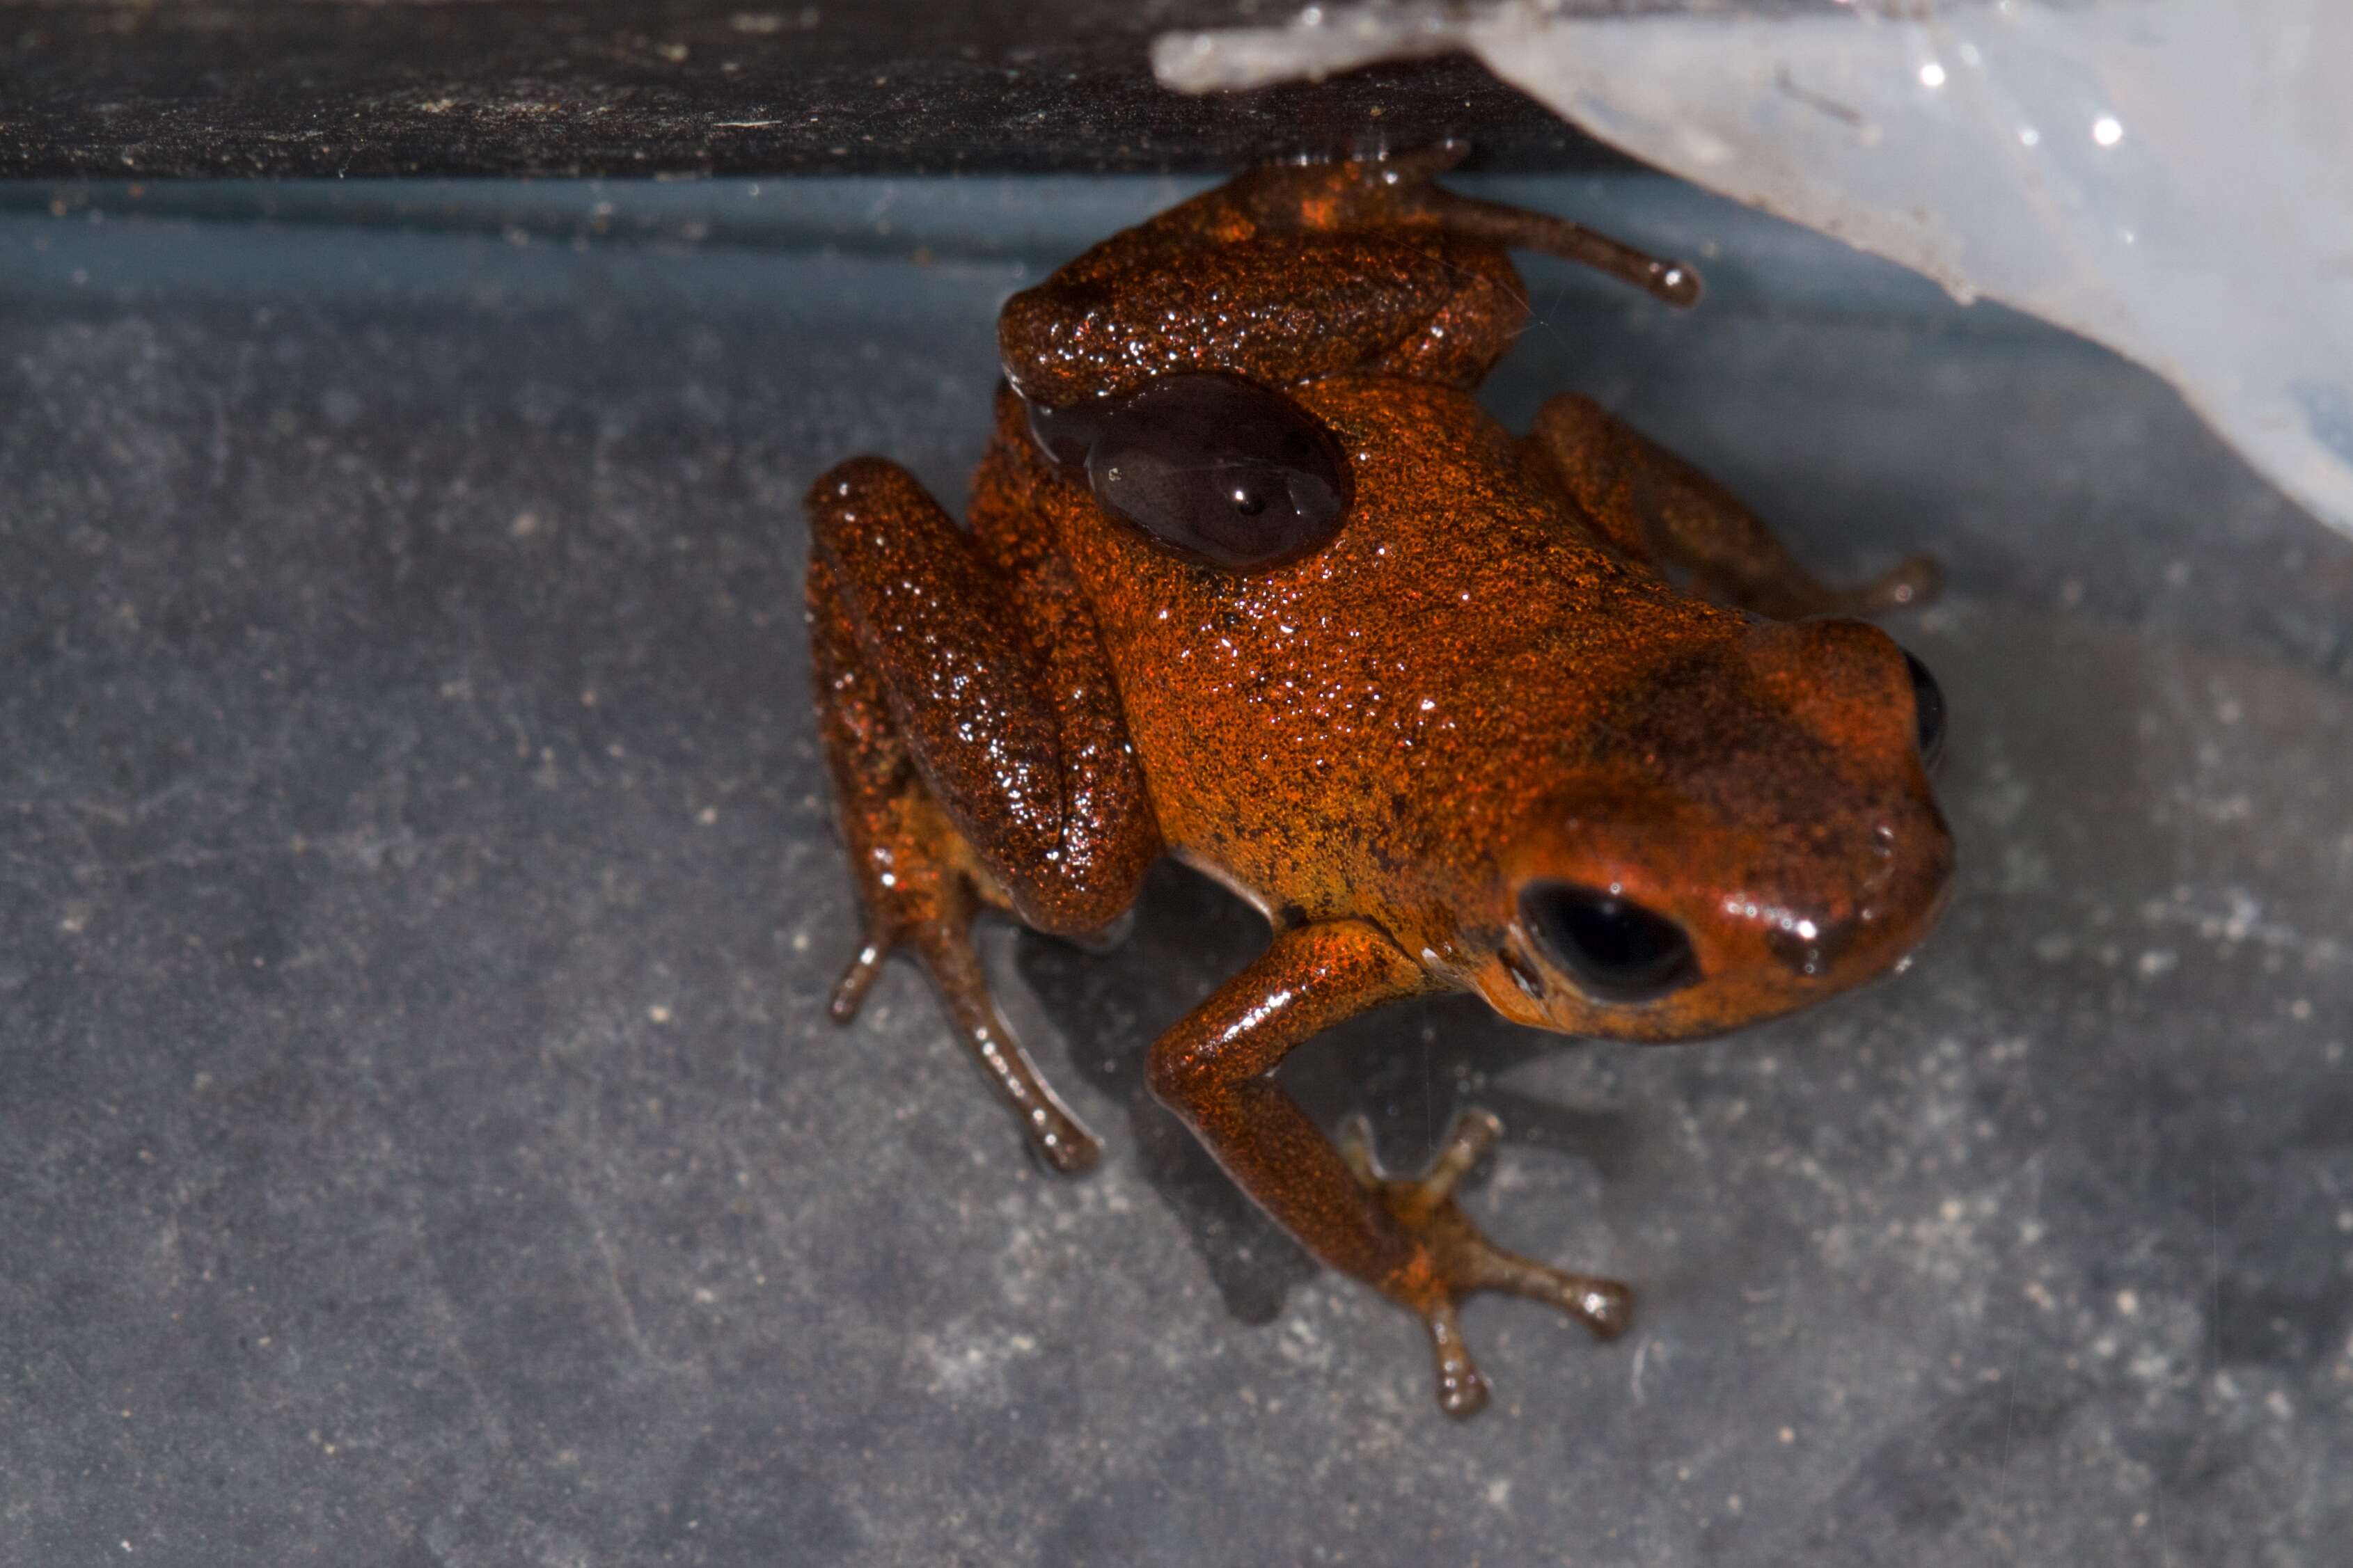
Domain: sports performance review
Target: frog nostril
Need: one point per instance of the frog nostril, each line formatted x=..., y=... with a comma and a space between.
x=1616, y=950
x=1808, y=950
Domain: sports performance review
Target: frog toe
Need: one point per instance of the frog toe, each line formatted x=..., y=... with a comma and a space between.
x=1462, y=1391
x=857, y=979
x=1604, y=1306
x=1913, y=582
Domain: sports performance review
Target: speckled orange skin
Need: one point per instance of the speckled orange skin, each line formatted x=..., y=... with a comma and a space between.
x=1487, y=678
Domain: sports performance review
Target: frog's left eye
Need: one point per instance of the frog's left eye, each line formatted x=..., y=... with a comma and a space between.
x=1221, y=469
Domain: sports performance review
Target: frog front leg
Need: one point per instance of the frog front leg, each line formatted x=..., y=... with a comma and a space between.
x=1406, y=1238
x=972, y=767
x=1654, y=506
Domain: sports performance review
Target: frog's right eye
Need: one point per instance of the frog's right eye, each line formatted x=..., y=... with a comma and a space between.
x=1614, y=949
x=1221, y=469
x=1927, y=711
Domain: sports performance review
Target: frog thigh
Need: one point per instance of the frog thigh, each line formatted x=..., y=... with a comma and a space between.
x=1652, y=504
x=1026, y=758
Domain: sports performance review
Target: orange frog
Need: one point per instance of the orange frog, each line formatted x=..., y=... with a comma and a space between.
x=1251, y=578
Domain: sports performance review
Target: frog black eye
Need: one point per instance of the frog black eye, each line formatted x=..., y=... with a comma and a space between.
x=1616, y=950
x=1222, y=469
x=1927, y=711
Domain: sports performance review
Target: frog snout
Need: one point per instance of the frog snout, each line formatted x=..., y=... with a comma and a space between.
x=1605, y=942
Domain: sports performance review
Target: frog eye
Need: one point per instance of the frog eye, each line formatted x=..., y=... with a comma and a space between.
x=1220, y=469
x=1616, y=950
x=1927, y=711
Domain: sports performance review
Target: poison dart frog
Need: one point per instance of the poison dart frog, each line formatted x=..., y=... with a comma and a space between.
x=1251, y=579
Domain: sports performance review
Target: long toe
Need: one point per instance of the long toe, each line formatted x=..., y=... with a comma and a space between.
x=1461, y=1392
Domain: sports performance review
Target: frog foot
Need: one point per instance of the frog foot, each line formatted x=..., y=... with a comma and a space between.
x=1056, y=1136
x=1455, y=1260
x=925, y=904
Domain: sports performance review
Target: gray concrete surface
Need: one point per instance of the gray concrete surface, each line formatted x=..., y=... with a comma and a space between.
x=420, y=1142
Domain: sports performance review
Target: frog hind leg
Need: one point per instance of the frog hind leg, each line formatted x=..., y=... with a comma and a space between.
x=921, y=870
x=921, y=883
x=1656, y=507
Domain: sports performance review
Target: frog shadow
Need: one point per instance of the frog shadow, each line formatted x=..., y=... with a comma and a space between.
x=1408, y=1069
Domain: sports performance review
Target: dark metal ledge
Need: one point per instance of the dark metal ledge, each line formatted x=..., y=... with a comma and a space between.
x=692, y=87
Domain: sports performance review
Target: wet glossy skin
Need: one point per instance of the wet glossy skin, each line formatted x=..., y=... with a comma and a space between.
x=1432, y=698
